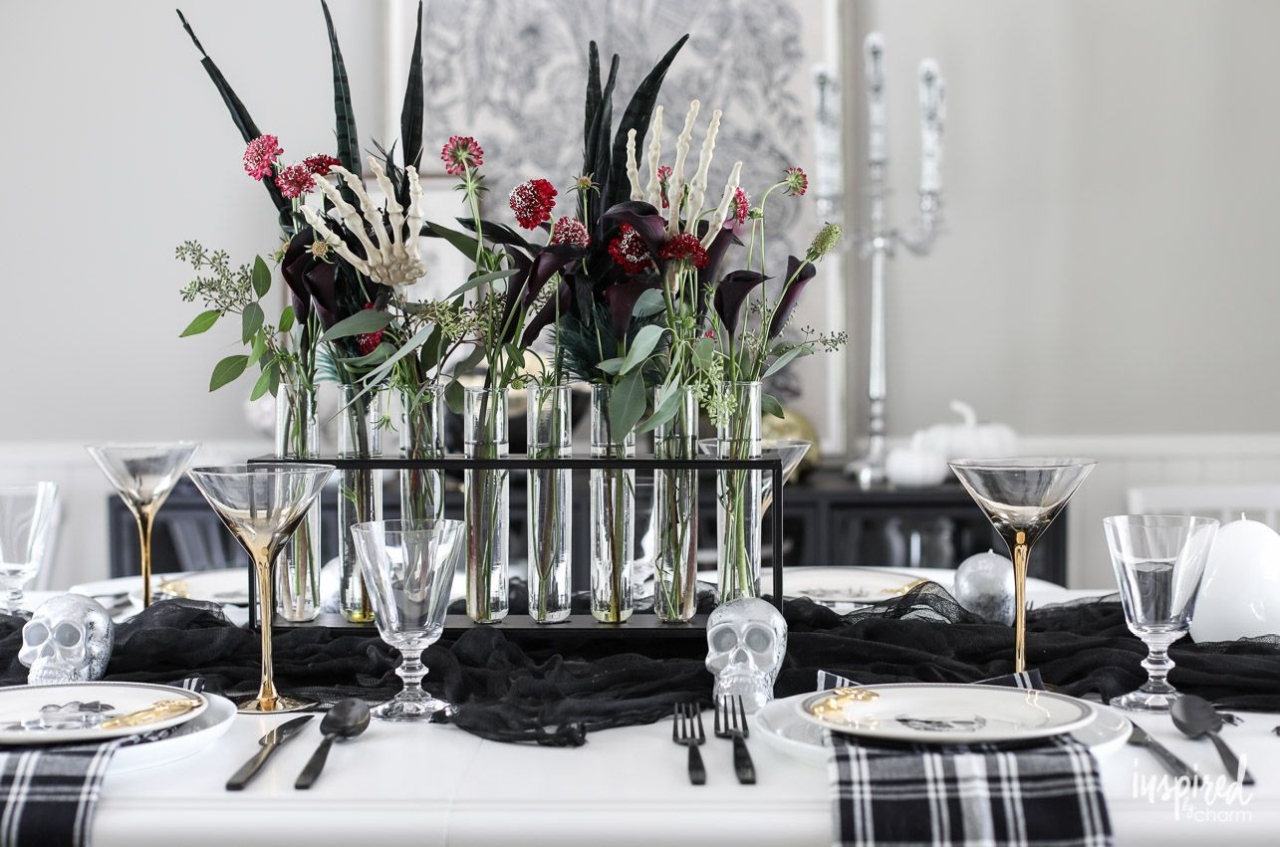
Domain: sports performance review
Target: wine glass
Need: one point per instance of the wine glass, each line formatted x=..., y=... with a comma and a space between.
x=790, y=450
x=262, y=505
x=26, y=521
x=1159, y=562
x=408, y=567
x=1021, y=497
x=143, y=476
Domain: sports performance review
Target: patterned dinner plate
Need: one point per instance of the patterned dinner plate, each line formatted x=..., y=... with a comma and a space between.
x=937, y=713
x=83, y=711
x=780, y=726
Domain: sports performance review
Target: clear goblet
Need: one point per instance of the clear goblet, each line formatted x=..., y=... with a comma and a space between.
x=1021, y=497
x=408, y=567
x=262, y=505
x=1159, y=562
x=143, y=475
x=26, y=520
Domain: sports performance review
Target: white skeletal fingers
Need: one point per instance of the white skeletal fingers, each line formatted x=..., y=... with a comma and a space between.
x=391, y=259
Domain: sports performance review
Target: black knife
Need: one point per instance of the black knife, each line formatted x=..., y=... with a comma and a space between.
x=270, y=743
x=1139, y=738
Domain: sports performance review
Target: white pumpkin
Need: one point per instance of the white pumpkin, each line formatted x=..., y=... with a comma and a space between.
x=915, y=466
x=970, y=439
x=1240, y=594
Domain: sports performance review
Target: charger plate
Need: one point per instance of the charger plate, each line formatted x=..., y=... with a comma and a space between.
x=940, y=713
x=72, y=712
x=185, y=740
x=780, y=726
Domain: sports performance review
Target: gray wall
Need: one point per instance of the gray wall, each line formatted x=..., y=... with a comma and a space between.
x=1110, y=176
x=1112, y=192
x=116, y=148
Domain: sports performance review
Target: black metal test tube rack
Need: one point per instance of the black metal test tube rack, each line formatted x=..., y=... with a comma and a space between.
x=646, y=625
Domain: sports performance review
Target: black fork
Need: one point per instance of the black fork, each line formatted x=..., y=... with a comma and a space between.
x=686, y=729
x=731, y=722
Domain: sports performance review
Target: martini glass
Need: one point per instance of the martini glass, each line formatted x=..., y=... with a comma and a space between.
x=1021, y=497
x=143, y=476
x=790, y=450
x=262, y=505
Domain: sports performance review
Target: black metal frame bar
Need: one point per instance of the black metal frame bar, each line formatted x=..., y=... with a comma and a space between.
x=771, y=464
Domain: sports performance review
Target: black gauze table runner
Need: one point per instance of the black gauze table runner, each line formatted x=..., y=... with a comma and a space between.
x=555, y=693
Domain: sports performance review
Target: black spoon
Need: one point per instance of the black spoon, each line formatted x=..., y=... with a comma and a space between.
x=1196, y=716
x=346, y=719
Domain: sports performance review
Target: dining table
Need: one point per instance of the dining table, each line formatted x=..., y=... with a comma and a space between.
x=434, y=784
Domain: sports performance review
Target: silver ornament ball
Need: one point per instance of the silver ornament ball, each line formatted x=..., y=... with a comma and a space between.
x=984, y=586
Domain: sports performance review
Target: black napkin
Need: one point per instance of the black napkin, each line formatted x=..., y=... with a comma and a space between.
x=48, y=794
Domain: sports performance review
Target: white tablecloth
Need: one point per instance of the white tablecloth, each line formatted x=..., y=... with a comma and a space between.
x=435, y=785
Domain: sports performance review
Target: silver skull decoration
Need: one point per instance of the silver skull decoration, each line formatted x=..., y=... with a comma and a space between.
x=746, y=643
x=68, y=639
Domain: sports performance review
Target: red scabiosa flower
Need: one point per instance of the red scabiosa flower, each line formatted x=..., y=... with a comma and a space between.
x=571, y=231
x=260, y=155
x=368, y=342
x=295, y=180
x=664, y=182
x=461, y=152
x=629, y=250
x=684, y=247
x=532, y=202
x=797, y=182
x=741, y=205
x=320, y=164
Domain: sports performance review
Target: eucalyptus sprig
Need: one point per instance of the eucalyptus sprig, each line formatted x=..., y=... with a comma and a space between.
x=227, y=290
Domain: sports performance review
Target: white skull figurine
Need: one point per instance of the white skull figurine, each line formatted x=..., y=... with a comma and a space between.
x=746, y=642
x=68, y=639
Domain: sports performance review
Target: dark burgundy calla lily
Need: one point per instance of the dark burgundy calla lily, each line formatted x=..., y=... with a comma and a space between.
x=524, y=287
x=645, y=218
x=798, y=276
x=310, y=280
x=621, y=298
x=731, y=293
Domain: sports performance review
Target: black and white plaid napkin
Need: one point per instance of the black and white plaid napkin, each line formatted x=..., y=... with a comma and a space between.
x=982, y=794
x=48, y=794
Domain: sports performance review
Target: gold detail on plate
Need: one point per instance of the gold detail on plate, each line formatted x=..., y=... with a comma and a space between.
x=833, y=706
x=157, y=711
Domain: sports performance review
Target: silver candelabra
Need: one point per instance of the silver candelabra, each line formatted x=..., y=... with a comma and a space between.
x=880, y=240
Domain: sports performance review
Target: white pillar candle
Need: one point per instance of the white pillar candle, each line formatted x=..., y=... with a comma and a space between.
x=873, y=62
x=933, y=113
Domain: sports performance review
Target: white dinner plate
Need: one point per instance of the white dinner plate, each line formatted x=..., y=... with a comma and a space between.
x=183, y=741
x=74, y=712
x=780, y=726
x=938, y=713
x=226, y=587
x=832, y=586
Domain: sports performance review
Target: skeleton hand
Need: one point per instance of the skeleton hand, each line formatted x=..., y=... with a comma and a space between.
x=393, y=260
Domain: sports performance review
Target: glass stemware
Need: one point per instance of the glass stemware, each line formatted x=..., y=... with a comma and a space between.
x=790, y=450
x=143, y=476
x=1021, y=497
x=26, y=520
x=1159, y=562
x=408, y=568
x=262, y=505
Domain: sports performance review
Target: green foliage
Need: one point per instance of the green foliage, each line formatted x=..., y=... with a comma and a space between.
x=360, y=323
x=202, y=322
x=228, y=370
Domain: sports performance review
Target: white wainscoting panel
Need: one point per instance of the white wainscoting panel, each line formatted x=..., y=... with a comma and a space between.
x=1129, y=461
